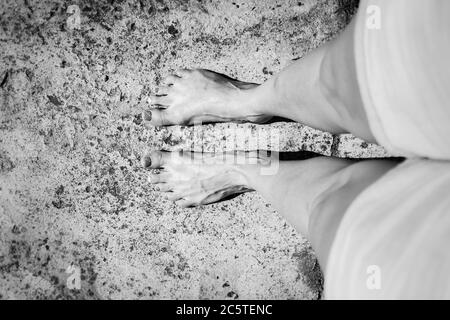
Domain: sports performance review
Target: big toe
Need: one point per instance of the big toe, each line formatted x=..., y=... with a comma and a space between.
x=155, y=159
x=161, y=117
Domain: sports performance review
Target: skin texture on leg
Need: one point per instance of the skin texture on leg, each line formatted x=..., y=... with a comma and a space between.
x=320, y=90
x=340, y=85
x=313, y=195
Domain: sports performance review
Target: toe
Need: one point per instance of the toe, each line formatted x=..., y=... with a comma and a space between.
x=155, y=118
x=159, y=178
x=184, y=73
x=154, y=178
x=163, y=117
x=147, y=115
x=160, y=159
x=155, y=159
x=164, y=90
x=146, y=161
x=174, y=196
x=165, y=187
x=160, y=100
x=185, y=203
x=171, y=79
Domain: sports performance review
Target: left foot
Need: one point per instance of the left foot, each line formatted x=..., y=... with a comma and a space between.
x=194, y=179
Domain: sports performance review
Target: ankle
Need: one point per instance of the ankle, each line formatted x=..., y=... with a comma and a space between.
x=249, y=98
x=256, y=169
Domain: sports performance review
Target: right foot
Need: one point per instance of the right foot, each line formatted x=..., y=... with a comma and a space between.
x=193, y=179
x=197, y=96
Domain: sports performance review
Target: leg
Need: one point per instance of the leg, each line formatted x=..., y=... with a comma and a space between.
x=312, y=195
x=320, y=90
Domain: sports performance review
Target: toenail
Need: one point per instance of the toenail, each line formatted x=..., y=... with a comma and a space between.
x=147, y=115
x=147, y=162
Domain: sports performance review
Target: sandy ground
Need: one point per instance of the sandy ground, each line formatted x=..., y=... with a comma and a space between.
x=72, y=192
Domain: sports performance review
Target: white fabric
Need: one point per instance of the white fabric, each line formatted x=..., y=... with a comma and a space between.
x=401, y=225
x=399, y=228
x=403, y=72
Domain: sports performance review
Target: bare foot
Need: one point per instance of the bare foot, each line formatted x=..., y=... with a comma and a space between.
x=196, y=96
x=194, y=179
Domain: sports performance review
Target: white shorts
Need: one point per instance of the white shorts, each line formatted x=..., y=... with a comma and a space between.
x=398, y=230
